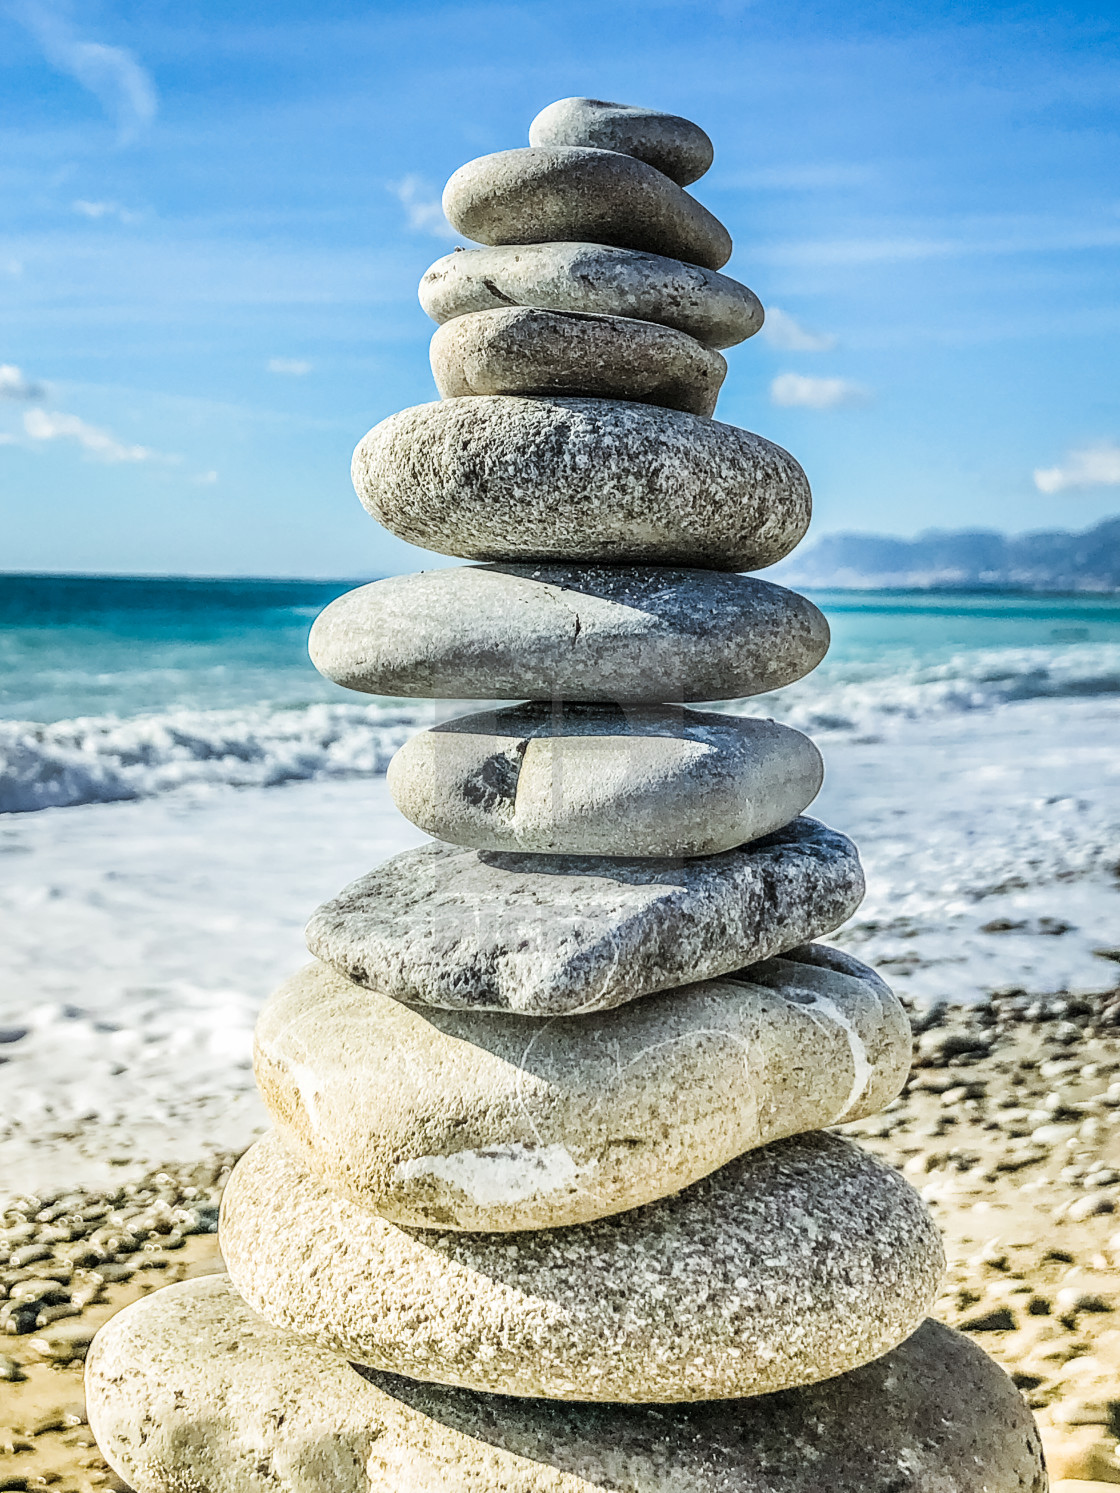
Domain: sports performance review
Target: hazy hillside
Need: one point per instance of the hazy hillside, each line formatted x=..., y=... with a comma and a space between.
x=1049, y=561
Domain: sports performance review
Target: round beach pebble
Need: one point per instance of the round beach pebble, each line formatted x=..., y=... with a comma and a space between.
x=502, y=478
x=483, y=1122
x=525, y=350
x=190, y=1390
x=673, y=145
x=601, y=780
x=561, y=935
x=595, y=279
x=795, y=1262
x=540, y=194
x=511, y=632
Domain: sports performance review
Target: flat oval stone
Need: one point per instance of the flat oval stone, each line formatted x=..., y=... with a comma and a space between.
x=189, y=1389
x=540, y=194
x=525, y=350
x=594, y=278
x=554, y=935
x=600, y=780
x=795, y=1262
x=479, y=1121
x=504, y=478
x=510, y=632
x=673, y=145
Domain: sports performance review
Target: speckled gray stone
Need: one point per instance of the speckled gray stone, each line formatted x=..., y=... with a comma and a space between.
x=603, y=780
x=553, y=935
x=191, y=1392
x=713, y=308
x=505, y=478
x=511, y=632
x=525, y=350
x=541, y=194
x=478, y=1121
x=795, y=1262
x=673, y=145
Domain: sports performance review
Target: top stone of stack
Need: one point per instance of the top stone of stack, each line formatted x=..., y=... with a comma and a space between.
x=674, y=146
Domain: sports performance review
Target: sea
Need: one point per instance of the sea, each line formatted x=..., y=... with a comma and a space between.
x=121, y=688
x=179, y=789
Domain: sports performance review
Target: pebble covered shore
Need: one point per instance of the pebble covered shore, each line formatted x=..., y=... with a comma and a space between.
x=1009, y=1126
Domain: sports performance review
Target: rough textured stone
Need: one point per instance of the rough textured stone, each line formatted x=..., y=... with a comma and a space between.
x=525, y=350
x=673, y=145
x=501, y=478
x=191, y=1392
x=538, y=195
x=478, y=1121
x=795, y=1262
x=553, y=935
x=602, y=780
x=714, y=309
x=612, y=633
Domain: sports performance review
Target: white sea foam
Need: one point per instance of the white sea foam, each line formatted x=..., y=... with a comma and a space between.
x=106, y=759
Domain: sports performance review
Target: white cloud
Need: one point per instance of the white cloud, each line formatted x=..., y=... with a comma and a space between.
x=423, y=209
x=784, y=331
x=1091, y=466
x=816, y=393
x=205, y=479
x=112, y=74
x=41, y=425
x=105, y=210
x=15, y=385
x=296, y=367
x=12, y=267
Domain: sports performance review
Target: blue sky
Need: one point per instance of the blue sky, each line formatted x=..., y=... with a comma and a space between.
x=215, y=215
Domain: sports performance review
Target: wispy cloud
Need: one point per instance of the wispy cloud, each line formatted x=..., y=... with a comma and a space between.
x=422, y=206
x=782, y=330
x=205, y=479
x=14, y=384
x=1091, y=466
x=105, y=210
x=817, y=393
x=112, y=74
x=42, y=425
x=295, y=367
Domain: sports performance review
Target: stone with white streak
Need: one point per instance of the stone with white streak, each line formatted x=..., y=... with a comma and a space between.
x=604, y=632
x=602, y=780
x=593, y=278
x=191, y=1392
x=502, y=477
x=527, y=350
x=554, y=935
x=480, y=1121
x=800, y=1260
x=674, y=145
x=540, y=194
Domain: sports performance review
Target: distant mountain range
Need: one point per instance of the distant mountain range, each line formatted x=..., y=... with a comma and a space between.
x=1049, y=561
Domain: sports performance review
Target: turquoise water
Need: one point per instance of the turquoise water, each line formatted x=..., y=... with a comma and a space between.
x=118, y=688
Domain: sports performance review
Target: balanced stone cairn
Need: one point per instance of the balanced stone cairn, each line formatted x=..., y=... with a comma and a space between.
x=552, y=1204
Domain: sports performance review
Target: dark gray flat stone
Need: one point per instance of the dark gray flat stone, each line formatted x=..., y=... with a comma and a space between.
x=556, y=935
x=536, y=195
x=528, y=350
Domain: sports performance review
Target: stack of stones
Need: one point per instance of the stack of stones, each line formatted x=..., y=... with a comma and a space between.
x=552, y=1204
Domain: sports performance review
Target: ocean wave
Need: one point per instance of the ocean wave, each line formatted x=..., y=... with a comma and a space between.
x=867, y=695
x=106, y=759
